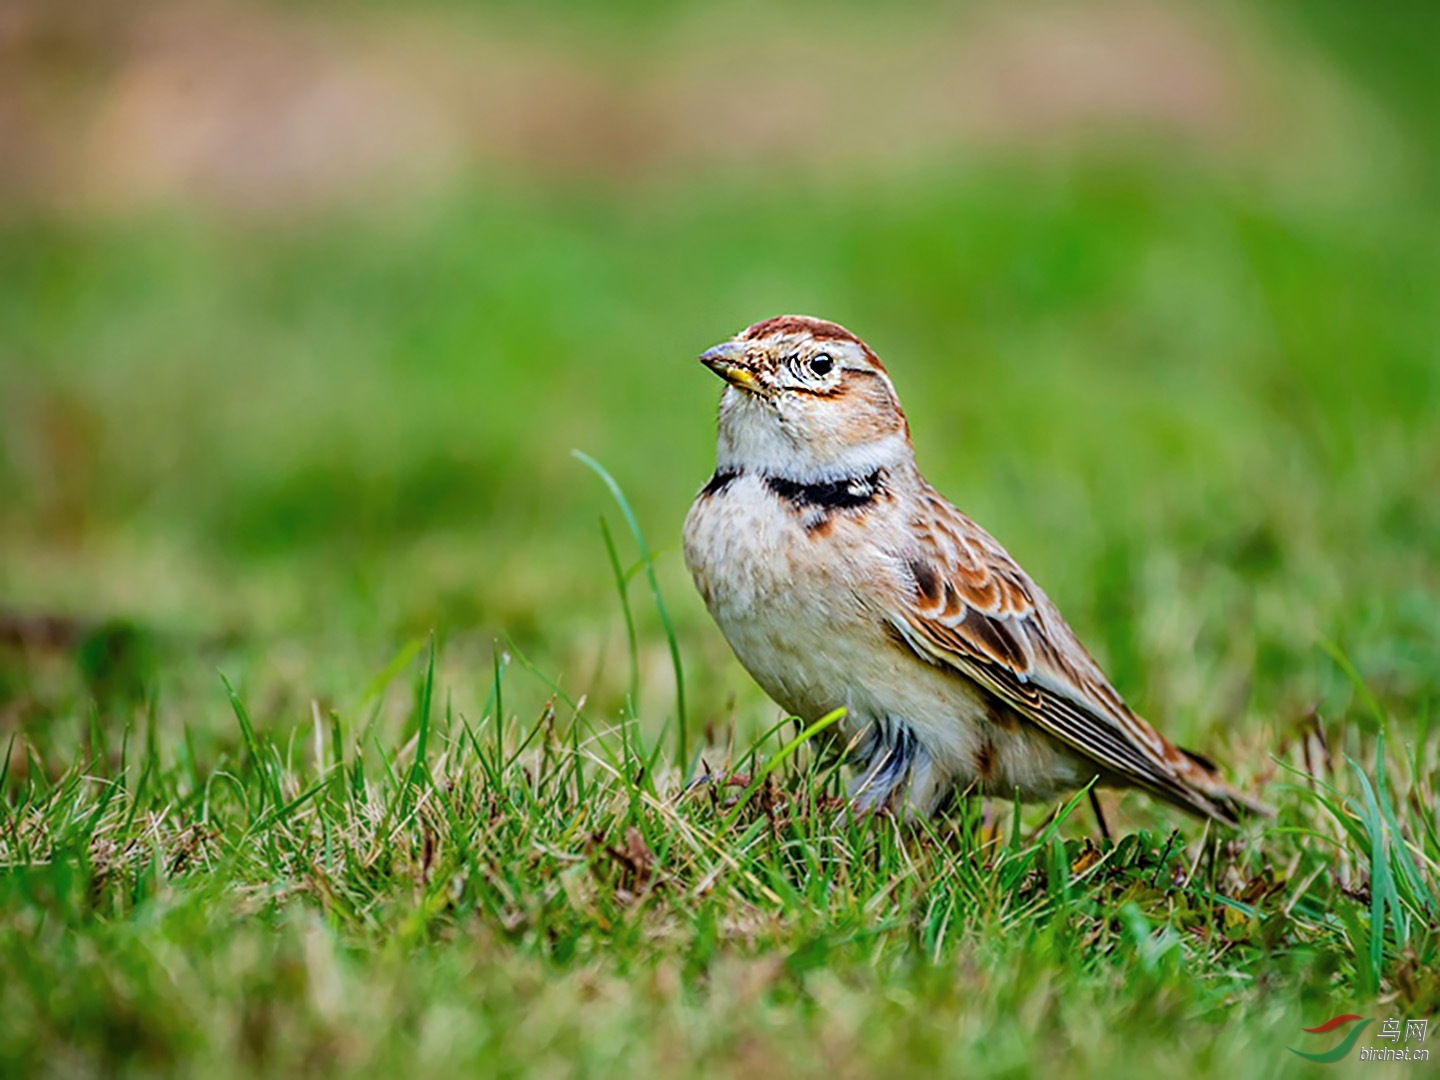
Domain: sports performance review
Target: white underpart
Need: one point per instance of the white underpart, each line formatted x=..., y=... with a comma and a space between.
x=807, y=615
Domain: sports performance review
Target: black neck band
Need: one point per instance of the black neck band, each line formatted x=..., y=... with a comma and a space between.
x=847, y=493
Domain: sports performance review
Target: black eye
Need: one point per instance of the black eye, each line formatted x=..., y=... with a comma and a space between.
x=821, y=363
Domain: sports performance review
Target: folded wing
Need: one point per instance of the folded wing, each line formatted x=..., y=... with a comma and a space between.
x=976, y=612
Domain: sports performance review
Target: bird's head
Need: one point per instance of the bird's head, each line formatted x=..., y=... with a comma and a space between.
x=807, y=399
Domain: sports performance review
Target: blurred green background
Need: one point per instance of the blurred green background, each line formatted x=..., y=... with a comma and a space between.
x=303, y=308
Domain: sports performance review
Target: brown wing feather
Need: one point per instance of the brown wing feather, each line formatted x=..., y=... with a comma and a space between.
x=976, y=611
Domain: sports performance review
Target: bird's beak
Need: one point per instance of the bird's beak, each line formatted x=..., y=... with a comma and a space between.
x=728, y=361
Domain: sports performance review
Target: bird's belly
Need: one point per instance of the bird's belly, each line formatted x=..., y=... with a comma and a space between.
x=796, y=616
x=793, y=608
x=791, y=614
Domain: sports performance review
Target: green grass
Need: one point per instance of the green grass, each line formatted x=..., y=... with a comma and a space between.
x=475, y=895
x=341, y=705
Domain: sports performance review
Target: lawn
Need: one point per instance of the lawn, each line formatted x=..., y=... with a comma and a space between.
x=342, y=705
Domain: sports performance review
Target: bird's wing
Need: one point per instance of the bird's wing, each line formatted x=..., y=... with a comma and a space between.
x=973, y=610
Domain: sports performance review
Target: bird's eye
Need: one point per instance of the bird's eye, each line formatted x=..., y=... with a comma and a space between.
x=821, y=363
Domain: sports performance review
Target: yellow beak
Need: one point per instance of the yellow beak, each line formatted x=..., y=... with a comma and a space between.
x=728, y=361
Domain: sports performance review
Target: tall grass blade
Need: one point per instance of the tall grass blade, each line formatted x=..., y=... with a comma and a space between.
x=682, y=750
x=268, y=790
x=622, y=586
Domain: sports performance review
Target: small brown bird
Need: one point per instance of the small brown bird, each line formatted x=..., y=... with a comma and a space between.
x=841, y=578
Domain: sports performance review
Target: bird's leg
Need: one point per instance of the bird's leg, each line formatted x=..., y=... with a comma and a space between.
x=1100, y=817
x=927, y=789
x=884, y=761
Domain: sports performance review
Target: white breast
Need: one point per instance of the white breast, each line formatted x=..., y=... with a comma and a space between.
x=807, y=616
x=804, y=615
x=778, y=606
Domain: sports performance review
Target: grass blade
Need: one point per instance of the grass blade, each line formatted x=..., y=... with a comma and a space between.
x=682, y=752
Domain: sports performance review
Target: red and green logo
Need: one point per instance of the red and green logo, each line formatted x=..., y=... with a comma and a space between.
x=1344, y=1046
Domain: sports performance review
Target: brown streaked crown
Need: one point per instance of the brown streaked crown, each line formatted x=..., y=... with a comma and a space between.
x=819, y=329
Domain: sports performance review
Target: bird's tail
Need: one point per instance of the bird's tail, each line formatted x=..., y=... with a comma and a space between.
x=1217, y=798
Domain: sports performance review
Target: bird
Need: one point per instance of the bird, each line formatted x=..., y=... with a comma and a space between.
x=843, y=581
